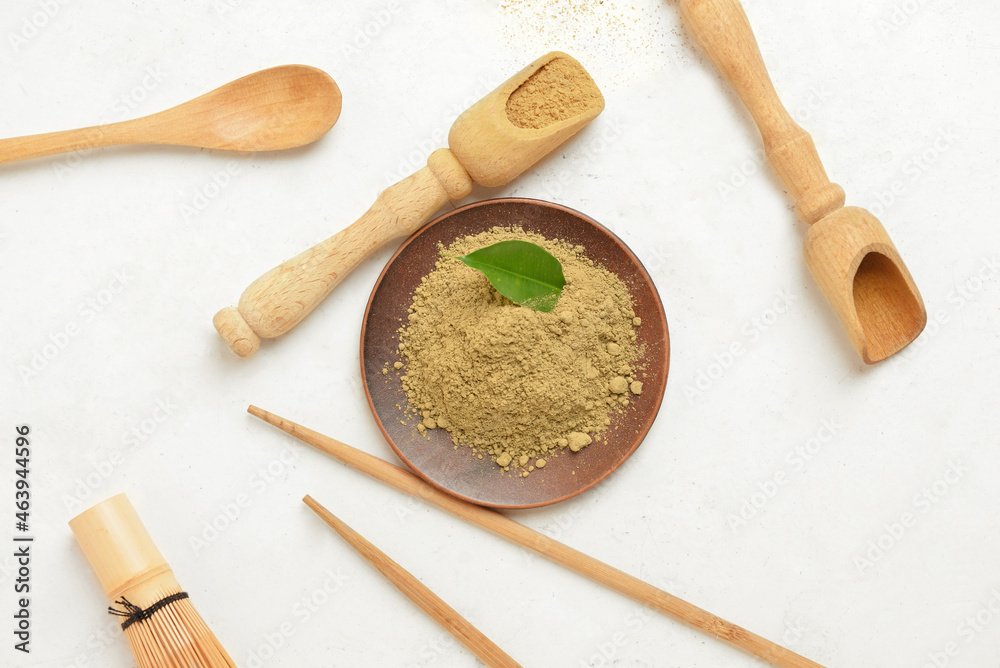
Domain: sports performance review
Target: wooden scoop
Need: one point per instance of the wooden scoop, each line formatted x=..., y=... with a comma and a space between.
x=486, y=146
x=277, y=108
x=847, y=250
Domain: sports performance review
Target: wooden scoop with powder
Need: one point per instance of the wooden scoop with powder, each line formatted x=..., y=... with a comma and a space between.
x=491, y=143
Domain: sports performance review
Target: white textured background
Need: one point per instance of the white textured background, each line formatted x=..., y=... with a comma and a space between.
x=774, y=486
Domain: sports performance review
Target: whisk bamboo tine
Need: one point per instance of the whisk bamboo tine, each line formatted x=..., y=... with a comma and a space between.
x=418, y=592
x=554, y=550
x=162, y=627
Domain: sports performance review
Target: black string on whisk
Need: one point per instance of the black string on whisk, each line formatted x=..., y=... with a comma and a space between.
x=133, y=613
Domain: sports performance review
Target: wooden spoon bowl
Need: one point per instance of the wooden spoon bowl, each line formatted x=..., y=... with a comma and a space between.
x=434, y=456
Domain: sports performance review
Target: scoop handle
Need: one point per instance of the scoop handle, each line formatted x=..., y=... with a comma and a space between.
x=281, y=298
x=721, y=29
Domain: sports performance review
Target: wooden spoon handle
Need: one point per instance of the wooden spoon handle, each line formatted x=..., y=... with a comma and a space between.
x=65, y=141
x=281, y=298
x=722, y=30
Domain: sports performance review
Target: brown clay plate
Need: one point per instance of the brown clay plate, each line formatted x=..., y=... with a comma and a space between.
x=458, y=472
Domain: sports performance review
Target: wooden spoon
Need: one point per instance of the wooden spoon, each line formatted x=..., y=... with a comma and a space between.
x=847, y=250
x=485, y=146
x=277, y=108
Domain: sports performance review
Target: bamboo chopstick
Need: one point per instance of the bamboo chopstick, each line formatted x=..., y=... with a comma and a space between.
x=562, y=554
x=417, y=591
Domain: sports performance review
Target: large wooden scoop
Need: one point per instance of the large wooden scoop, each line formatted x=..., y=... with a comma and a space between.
x=847, y=250
x=491, y=143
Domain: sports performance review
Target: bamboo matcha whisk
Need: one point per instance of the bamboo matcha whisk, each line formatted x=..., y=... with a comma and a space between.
x=162, y=626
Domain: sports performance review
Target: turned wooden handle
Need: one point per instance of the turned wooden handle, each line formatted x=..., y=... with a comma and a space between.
x=722, y=30
x=281, y=298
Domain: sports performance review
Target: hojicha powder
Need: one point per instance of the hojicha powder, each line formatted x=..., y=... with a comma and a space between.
x=561, y=89
x=514, y=384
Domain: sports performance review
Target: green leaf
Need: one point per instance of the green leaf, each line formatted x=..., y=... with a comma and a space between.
x=523, y=272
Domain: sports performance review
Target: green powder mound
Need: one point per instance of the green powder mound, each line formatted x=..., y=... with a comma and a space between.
x=513, y=383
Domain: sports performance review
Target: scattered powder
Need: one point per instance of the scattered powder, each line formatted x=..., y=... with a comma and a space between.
x=617, y=41
x=518, y=385
x=561, y=89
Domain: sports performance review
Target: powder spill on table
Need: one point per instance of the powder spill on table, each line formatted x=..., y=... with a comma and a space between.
x=619, y=42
